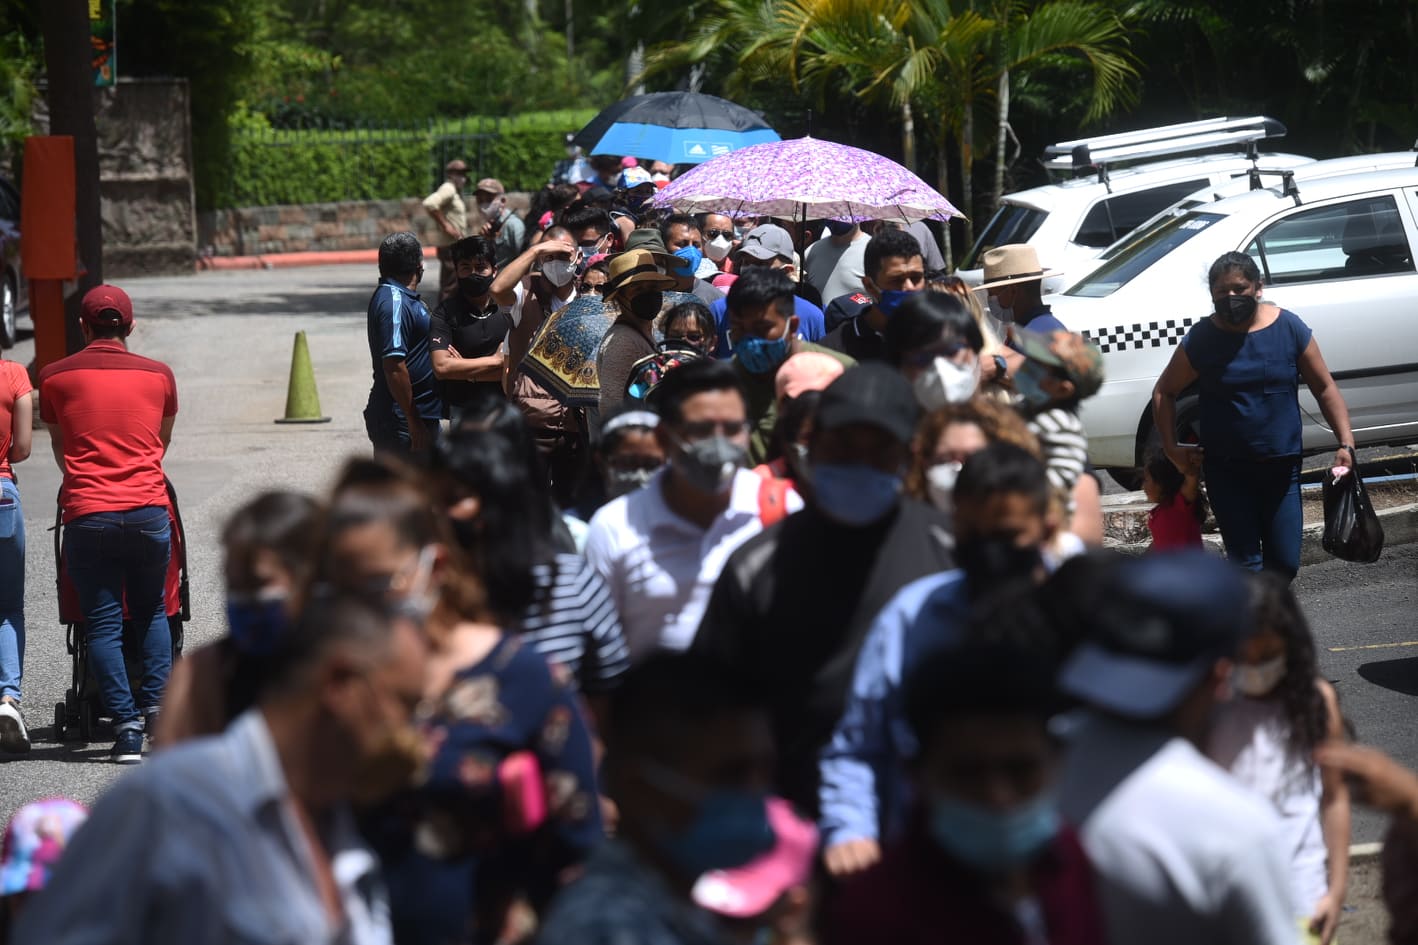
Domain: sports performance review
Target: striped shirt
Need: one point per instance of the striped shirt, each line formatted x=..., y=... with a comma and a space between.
x=574, y=624
x=1060, y=432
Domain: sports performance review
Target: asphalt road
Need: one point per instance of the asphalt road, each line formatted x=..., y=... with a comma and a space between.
x=228, y=339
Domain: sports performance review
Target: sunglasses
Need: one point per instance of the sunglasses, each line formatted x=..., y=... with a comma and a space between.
x=715, y=234
x=596, y=289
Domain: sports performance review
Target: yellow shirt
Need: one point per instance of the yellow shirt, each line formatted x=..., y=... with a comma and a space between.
x=447, y=201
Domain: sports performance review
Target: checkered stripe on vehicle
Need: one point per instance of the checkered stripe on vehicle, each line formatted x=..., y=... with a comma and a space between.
x=1140, y=335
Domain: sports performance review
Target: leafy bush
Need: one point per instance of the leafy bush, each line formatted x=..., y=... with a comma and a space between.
x=270, y=166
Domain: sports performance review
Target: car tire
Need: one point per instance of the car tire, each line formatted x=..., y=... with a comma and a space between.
x=1189, y=430
x=9, y=305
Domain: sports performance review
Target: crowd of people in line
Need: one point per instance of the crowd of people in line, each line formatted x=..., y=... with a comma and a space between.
x=798, y=630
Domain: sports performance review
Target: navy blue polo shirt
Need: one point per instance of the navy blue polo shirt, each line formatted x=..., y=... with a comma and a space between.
x=398, y=326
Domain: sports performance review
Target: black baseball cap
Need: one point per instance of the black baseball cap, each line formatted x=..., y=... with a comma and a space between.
x=870, y=393
x=1158, y=624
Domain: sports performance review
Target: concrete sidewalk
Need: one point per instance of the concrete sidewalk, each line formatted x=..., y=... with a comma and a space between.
x=351, y=257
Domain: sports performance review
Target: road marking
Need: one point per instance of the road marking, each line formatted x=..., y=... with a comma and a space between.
x=1370, y=646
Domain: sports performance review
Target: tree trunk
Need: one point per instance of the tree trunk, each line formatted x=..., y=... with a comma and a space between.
x=908, y=137
x=1001, y=141
x=967, y=171
x=634, y=66
x=71, y=112
x=942, y=176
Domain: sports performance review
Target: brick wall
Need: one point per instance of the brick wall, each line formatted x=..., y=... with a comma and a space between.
x=316, y=227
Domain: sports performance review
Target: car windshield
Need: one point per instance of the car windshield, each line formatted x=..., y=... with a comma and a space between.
x=1140, y=254
x=1011, y=223
x=1129, y=240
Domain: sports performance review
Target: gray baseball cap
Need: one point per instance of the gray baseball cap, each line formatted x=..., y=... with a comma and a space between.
x=766, y=241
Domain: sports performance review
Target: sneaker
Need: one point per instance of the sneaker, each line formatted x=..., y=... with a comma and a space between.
x=128, y=750
x=14, y=737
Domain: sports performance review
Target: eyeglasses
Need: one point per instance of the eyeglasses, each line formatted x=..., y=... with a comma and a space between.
x=692, y=337
x=703, y=429
x=715, y=234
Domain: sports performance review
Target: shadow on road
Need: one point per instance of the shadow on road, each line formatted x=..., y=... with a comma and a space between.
x=1397, y=675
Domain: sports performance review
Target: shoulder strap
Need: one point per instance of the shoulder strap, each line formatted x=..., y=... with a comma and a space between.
x=772, y=500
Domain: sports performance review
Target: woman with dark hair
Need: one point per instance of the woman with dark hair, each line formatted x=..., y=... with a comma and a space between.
x=1266, y=737
x=935, y=344
x=688, y=326
x=270, y=546
x=555, y=601
x=1247, y=360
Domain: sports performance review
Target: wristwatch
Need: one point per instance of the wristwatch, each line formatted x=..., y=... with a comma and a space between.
x=1001, y=368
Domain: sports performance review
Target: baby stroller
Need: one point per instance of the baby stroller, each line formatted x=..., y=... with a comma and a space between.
x=78, y=716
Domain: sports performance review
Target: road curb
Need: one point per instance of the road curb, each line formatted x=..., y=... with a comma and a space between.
x=348, y=257
x=1400, y=525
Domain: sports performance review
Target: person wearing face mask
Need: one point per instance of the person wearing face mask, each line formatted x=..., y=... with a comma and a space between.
x=895, y=272
x=467, y=329
x=987, y=855
x=833, y=265
x=684, y=238
x=1013, y=286
x=794, y=604
x=504, y=225
x=947, y=437
x=763, y=330
x=332, y=727
x=680, y=266
x=536, y=284
x=661, y=547
x=269, y=544
x=1058, y=372
x=627, y=455
x=403, y=411
x=1002, y=525
x=688, y=758
x=1247, y=360
x=445, y=205
x=1182, y=851
x=1266, y=737
x=720, y=240
x=636, y=287
x=769, y=246
x=936, y=345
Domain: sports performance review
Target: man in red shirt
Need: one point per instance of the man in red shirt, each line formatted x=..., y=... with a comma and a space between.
x=110, y=415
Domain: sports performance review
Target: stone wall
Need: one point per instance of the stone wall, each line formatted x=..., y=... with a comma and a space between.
x=316, y=227
x=145, y=176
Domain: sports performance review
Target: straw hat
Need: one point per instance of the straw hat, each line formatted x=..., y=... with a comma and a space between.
x=1017, y=262
x=634, y=267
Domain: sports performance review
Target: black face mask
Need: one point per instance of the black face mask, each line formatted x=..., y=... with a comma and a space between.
x=646, y=305
x=475, y=286
x=1237, y=310
x=991, y=560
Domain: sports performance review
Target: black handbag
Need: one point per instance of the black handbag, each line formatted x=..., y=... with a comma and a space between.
x=1351, y=527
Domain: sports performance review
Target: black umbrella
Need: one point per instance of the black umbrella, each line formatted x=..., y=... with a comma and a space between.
x=675, y=127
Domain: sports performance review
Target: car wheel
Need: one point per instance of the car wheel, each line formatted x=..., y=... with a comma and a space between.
x=8, y=304
x=1188, y=431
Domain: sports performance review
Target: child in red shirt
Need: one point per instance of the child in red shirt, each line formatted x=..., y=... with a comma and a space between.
x=1176, y=520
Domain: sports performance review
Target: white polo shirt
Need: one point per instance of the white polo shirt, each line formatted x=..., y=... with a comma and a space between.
x=1183, y=852
x=660, y=567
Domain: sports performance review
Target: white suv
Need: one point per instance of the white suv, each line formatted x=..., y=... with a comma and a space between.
x=1070, y=223
x=1337, y=251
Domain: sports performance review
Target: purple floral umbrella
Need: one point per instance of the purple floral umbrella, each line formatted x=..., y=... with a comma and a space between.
x=809, y=179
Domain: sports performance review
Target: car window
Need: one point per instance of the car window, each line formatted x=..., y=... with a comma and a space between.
x=1010, y=224
x=1341, y=241
x=1141, y=254
x=1114, y=217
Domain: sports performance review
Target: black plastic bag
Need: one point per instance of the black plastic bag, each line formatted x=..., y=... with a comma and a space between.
x=1351, y=527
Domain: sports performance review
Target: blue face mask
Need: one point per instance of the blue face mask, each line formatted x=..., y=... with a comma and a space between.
x=730, y=826
x=1028, y=382
x=992, y=840
x=891, y=300
x=692, y=257
x=854, y=495
x=761, y=355
x=257, y=621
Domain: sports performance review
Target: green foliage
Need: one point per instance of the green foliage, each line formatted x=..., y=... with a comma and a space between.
x=19, y=63
x=271, y=166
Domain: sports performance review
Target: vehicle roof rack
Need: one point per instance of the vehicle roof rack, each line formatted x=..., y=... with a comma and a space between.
x=1093, y=155
x=1287, y=182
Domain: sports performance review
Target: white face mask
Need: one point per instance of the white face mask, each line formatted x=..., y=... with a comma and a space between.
x=946, y=382
x=559, y=271
x=491, y=210
x=1259, y=679
x=940, y=485
x=1000, y=313
x=717, y=248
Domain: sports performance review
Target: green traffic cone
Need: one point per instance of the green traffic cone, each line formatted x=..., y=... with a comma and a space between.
x=302, y=402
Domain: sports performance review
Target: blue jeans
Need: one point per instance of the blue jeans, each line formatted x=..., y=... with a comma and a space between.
x=113, y=557
x=12, y=590
x=1257, y=506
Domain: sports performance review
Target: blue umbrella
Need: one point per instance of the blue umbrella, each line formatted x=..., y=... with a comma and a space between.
x=674, y=127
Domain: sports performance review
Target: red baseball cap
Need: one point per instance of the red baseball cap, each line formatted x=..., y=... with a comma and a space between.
x=107, y=305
